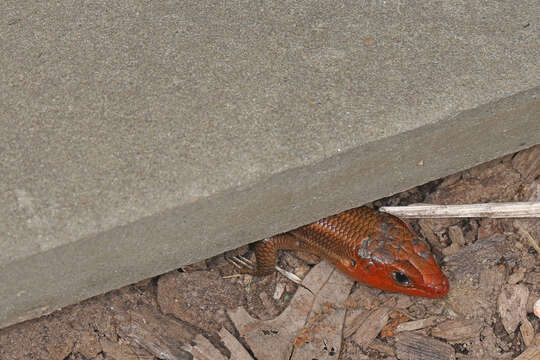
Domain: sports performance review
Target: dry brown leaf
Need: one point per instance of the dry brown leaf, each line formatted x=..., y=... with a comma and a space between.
x=274, y=339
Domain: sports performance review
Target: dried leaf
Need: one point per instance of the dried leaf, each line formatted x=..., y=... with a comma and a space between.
x=274, y=339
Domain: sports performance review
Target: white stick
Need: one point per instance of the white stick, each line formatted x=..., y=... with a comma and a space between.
x=489, y=210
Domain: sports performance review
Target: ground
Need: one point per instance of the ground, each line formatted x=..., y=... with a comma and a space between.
x=208, y=311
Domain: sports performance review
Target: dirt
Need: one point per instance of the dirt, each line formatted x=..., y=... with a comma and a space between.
x=492, y=266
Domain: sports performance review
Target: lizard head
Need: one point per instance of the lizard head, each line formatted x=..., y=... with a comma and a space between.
x=394, y=258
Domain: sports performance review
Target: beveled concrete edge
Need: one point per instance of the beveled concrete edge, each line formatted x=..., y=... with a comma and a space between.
x=47, y=281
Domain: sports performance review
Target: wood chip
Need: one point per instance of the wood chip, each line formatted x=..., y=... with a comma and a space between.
x=403, y=301
x=280, y=288
x=88, y=345
x=365, y=297
x=416, y=324
x=202, y=349
x=532, y=353
x=238, y=352
x=451, y=250
x=160, y=335
x=527, y=163
x=354, y=320
x=490, y=343
x=456, y=235
x=512, y=306
x=414, y=346
x=396, y=318
x=492, y=279
x=516, y=276
x=527, y=236
x=374, y=322
x=496, y=180
x=489, y=227
x=531, y=192
x=351, y=351
x=465, y=263
x=428, y=232
x=458, y=330
x=123, y=351
x=527, y=332
x=382, y=347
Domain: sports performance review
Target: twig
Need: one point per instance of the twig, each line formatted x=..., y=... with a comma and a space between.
x=489, y=210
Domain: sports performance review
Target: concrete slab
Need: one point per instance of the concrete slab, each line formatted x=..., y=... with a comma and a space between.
x=137, y=137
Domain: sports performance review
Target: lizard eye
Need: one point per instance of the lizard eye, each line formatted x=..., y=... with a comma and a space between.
x=353, y=262
x=401, y=278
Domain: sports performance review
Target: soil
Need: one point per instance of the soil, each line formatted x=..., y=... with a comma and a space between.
x=189, y=313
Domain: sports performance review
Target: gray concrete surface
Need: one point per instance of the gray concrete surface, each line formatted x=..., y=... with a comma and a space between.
x=136, y=137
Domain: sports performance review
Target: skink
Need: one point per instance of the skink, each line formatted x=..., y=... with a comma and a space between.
x=373, y=248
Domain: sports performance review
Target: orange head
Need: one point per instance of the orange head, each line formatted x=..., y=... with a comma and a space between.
x=394, y=258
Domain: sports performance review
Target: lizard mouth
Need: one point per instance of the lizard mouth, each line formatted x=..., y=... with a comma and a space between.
x=436, y=289
x=441, y=289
